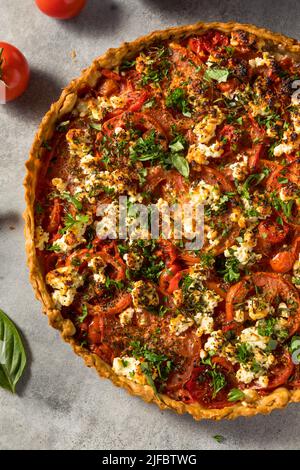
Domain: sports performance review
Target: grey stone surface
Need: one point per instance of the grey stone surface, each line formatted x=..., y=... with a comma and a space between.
x=60, y=403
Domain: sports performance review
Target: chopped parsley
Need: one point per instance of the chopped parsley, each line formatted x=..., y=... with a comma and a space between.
x=177, y=99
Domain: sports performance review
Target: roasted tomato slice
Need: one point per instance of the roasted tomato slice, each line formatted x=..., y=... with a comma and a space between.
x=108, y=306
x=273, y=288
x=210, y=386
x=283, y=261
x=272, y=232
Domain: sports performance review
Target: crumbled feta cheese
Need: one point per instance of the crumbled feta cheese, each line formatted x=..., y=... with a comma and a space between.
x=240, y=168
x=41, y=238
x=243, y=252
x=205, y=193
x=65, y=282
x=244, y=374
x=97, y=265
x=205, y=130
x=260, y=61
x=180, y=324
x=144, y=294
x=253, y=338
x=215, y=342
x=59, y=184
x=126, y=316
x=283, y=148
x=133, y=260
x=129, y=367
x=258, y=308
x=205, y=324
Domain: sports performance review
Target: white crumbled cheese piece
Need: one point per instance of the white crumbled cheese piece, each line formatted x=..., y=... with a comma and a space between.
x=237, y=216
x=65, y=281
x=283, y=148
x=243, y=252
x=107, y=226
x=180, y=324
x=126, y=316
x=41, y=238
x=88, y=164
x=205, y=130
x=72, y=238
x=59, y=184
x=260, y=61
x=251, y=336
x=244, y=374
x=79, y=141
x=263, y=381
x=144, y=294
x=240, y=168
x=117, y=101
x=130, y=368
x=97, y=265
x=258, y=308
x=239, y=315
x=207, y=194
x=133, y=260
x=201, y=152
x=215, y=342
x=205, y=324
x=283, y=310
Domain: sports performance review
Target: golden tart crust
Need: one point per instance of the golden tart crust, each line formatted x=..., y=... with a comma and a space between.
x=256, y=404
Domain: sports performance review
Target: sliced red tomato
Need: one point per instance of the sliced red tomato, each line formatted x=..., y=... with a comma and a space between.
x=188, y=348
x=111, y=74
x=272, y=232
x=166, y=278
x=55, y=216
x=189, y=258
x=200, y=387
x=136, y=100
x=135, y=120
x=104, y=352
x=115, y=306
x=208, y=42
x=117, y=265
x=283, y=261
x=61, y=9
x=167, y=251
x=162, y=182
x=271, y=286
x=96, y=330
x=14, y=73
x=174, y=282
x=255, y=154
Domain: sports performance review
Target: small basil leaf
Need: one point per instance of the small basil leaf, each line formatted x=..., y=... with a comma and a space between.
x=220, y=75
x=12, y=354
x=181, y=164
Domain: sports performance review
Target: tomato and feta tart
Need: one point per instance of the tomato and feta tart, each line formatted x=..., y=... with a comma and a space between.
x=204, y=115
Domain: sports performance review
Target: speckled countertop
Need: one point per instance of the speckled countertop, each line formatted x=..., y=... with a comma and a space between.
x=60, y=403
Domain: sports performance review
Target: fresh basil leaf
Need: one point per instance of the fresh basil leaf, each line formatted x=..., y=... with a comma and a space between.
x=220, y=75
x=12, y=354
x=181, y=164
x=236, y=394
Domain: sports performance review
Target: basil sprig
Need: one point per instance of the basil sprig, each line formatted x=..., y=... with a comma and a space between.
x=12, y=354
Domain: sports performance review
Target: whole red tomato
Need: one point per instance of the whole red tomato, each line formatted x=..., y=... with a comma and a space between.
x=61, y=9
x=14, y=72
